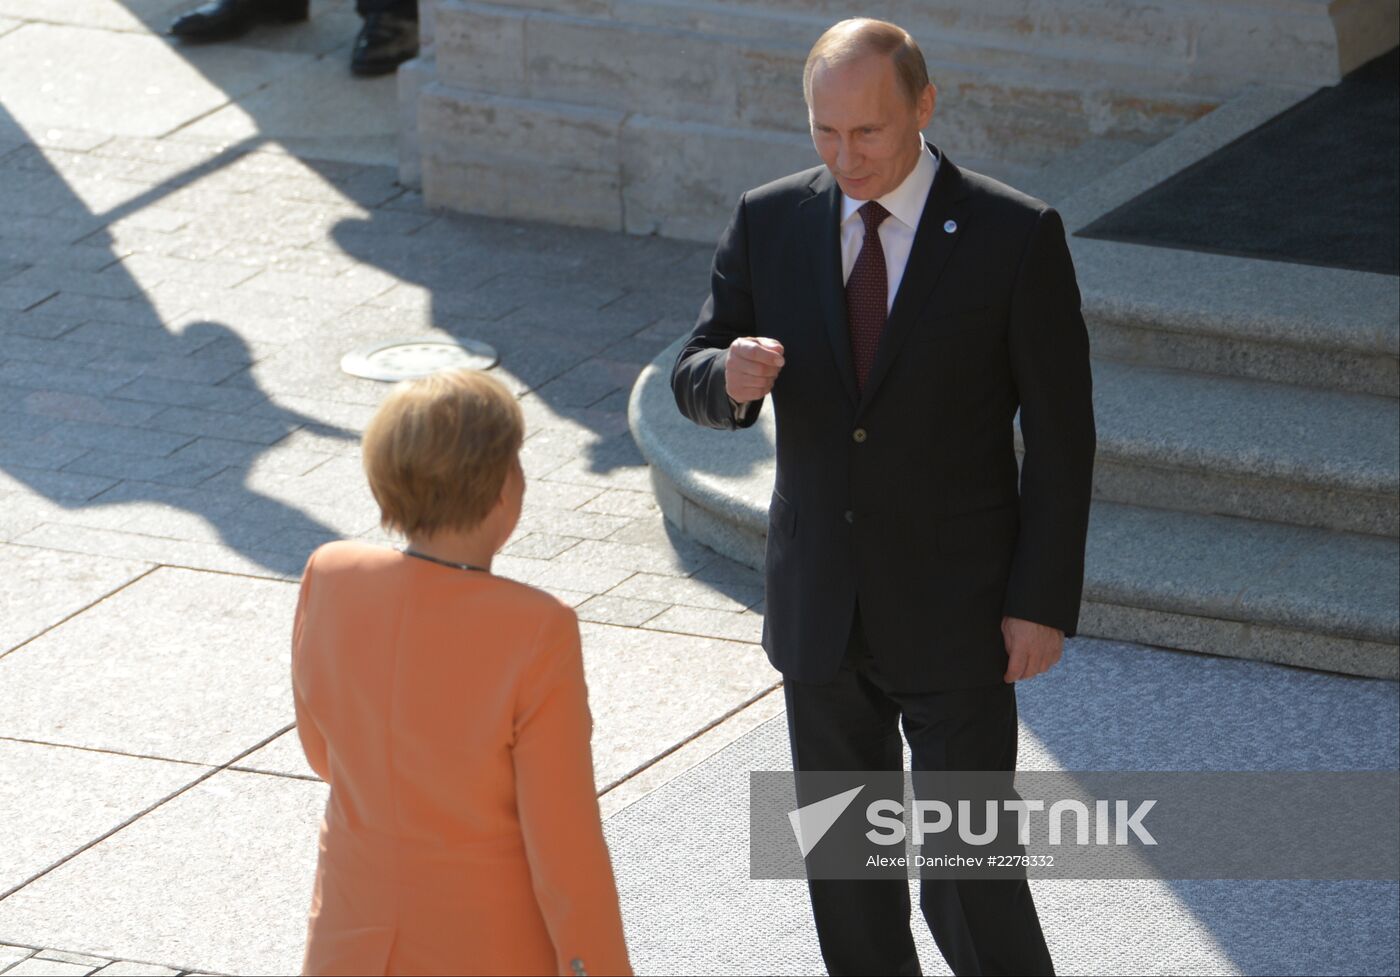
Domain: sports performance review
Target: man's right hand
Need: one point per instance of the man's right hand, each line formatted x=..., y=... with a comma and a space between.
x=751, y=364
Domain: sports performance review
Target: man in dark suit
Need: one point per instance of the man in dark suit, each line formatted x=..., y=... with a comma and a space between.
x=901, y=310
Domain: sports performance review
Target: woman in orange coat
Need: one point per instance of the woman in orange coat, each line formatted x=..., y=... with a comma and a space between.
x=447, y=710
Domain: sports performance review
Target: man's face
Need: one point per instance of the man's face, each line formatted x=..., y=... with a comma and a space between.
x=864, y=128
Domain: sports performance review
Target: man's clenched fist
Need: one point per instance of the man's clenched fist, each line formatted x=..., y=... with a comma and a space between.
x=751, y=364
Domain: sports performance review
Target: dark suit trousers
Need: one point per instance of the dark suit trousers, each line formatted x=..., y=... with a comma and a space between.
x=399, y=8
x=982, y=926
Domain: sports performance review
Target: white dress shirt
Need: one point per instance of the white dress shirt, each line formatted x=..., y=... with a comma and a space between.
x=906, y=205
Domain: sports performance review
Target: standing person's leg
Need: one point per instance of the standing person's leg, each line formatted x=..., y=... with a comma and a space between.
x=982, y=926
x=388, y=38
x=850, y=725
x=408, y=9
x=220, y=20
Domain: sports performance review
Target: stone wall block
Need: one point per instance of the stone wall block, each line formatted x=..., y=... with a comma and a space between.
x=684, y=179
x=411, y=78
x=501, y=156
x=481, y=47
x=770, y=90
x=577, y=8
x=527, y=191
x=653, y=71
x=730, y=24
x=488, y=128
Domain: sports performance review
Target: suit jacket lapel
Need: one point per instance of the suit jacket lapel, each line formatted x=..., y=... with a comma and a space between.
x=821, y=227
x=932, y=246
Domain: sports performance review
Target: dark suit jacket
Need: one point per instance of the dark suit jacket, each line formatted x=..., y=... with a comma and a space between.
x=905, y=498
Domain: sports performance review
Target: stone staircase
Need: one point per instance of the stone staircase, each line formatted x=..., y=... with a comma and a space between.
x=652, y=116
x=1247, y=481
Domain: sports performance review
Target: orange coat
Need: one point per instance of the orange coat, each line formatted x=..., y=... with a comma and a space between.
x=447, y=711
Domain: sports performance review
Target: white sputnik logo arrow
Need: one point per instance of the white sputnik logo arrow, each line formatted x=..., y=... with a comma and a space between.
x=811, y=823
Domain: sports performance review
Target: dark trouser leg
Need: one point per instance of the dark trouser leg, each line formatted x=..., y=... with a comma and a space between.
x=849, y=724
x=982, y=926
x=399, y=8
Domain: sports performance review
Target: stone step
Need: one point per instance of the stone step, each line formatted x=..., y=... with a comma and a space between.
x=1194, y=443
x=683, y=62
x=1199, y=47
x=1269, y=320
x=1243, y=589
x=1214, y=44
x=1219, y=584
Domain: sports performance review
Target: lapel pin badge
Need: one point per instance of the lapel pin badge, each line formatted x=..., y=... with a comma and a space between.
x=949, y=226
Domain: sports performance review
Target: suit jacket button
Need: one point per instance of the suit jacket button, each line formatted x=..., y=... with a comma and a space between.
x=850, y=516
x=859, y=435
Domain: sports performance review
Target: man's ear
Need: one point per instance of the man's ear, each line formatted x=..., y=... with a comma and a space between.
x=924, y=107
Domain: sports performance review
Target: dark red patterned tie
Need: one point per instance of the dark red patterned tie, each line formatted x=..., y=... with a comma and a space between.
x=867, y=294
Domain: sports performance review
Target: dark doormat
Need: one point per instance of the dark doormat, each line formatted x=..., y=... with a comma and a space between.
x=1318, y=184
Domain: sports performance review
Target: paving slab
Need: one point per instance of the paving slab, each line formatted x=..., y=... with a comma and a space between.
x=619, y=610
x=198, y=555
x=331, y=26
x=182, y=665
x=282, y=756
x=120, y=15
x=244, y=842
x=91, y=74
x=128, y=968
x=713, y=624
x=10, y=955
x=647, y=689
x=319, y=110
x=55, y=800
x=691, y=752
x=38, y=967
x=43, y=587
x=21, y=512
x=66, y=956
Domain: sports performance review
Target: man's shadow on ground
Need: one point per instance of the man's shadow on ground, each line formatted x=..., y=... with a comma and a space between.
x=82, y=394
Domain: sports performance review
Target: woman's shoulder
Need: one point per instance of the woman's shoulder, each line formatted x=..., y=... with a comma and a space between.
x=352, y=554
x=538, y=604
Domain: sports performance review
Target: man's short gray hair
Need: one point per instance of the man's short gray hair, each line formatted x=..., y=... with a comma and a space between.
x=859, y=36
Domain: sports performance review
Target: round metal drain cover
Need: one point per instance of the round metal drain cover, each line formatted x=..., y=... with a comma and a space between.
x=409, y=359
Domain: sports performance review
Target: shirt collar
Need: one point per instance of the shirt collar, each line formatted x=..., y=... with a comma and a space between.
x=906, y=201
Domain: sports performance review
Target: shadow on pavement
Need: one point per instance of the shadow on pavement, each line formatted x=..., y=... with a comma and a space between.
x=106, y=407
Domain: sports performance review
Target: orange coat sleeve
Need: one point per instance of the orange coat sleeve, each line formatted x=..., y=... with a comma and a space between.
x=313, y=744
x=558, y=804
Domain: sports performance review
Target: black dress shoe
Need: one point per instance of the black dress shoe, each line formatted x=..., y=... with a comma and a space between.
x=385, y=42
x=219, y=20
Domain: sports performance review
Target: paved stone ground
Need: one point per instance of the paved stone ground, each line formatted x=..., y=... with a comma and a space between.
x=190, y=239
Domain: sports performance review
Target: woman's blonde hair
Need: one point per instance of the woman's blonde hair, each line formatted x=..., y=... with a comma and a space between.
x=860, y=36
x=438, y=450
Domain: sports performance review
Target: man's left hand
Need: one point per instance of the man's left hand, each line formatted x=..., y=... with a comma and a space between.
x=1031, y=648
